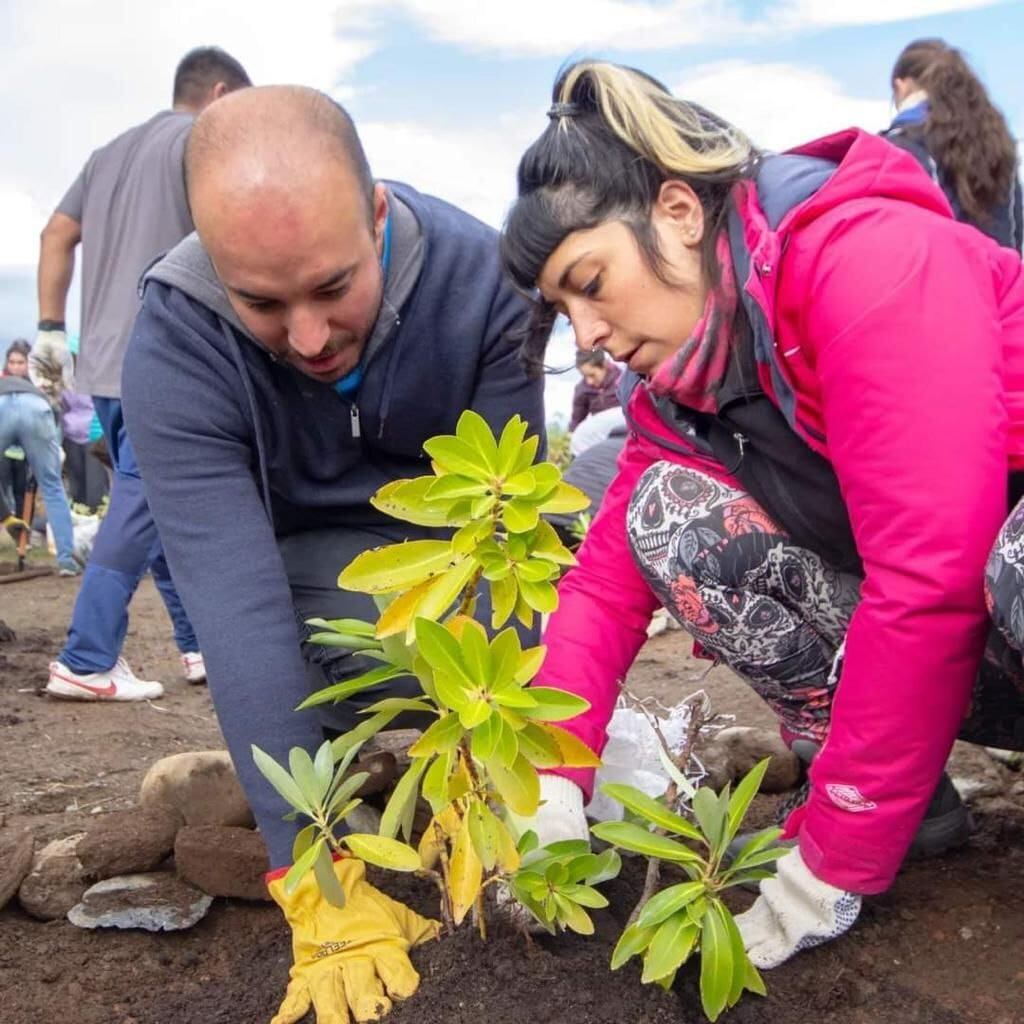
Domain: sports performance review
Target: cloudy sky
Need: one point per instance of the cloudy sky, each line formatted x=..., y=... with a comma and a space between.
x=448, y=93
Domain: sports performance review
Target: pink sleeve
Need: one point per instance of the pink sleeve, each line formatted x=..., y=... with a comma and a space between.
x=604, y=609
x=905, y=332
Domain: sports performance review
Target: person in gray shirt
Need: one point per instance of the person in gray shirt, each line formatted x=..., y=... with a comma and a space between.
x=126, y=208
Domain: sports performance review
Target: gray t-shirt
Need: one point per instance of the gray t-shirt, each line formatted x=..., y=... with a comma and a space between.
x=130, y=201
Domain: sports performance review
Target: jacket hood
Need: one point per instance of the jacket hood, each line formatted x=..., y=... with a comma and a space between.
x=866, y=167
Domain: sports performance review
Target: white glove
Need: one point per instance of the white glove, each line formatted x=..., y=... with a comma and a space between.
x=795, y=911
x=560, y=815
x=49, y=352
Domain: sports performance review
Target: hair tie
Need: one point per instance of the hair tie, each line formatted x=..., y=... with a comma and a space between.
x=564, y=110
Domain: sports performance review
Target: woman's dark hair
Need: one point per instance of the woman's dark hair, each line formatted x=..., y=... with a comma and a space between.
x=964, y=132
x=616, y=135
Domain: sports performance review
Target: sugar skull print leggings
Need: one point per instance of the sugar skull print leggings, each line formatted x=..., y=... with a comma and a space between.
x=777, y=614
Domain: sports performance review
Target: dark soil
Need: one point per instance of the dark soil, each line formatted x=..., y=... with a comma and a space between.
x=944, y=946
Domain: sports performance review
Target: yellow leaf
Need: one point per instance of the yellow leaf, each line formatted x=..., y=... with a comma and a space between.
x=518, y=786
x=401, y=613
x=431, y=844
x=397, y=566
x=465, y=874
x=406, y=500
x=575, y=753
x=566, y=498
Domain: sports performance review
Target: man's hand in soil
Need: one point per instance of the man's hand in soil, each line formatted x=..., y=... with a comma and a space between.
x=349, y=960
x=795, y=911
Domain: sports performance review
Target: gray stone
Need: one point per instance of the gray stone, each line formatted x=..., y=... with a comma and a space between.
x=157, y=902
x=223, y=861
x=15, y=862
x=364, y=819
x=202, y=786
x=731, y=753
x=56, y=882
x=127, y=842
x=975, y=775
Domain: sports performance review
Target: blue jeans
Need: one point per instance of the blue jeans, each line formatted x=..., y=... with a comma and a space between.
x=26, y=420
x=126, y=546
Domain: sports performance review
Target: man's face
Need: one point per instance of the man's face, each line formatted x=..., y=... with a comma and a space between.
x=301, y=269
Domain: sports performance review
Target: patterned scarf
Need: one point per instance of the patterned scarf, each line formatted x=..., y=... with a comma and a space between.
x=692, y=375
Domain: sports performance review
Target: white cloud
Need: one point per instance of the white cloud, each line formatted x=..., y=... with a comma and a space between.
x=779, y=105
x=543, y=28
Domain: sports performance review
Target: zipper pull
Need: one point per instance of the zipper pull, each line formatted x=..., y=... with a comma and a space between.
x=740, y=440
x=356, y=428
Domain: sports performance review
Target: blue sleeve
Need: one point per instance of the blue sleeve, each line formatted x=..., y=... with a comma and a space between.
x=195, y=451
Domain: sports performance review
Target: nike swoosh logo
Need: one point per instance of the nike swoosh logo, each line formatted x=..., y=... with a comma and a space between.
x=101, y=691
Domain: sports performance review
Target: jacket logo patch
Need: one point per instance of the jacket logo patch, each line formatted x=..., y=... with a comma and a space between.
x=849, y=798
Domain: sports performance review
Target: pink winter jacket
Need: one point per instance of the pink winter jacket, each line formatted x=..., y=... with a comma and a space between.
x=901, y=336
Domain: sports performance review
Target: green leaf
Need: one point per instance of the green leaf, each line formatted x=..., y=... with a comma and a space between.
x=441, y=736
x=305, y=776
x=585, y=896
x=406, y=500
x=740, y=963
x=346, y=789
x=466, y=539
x=435, y=784
x=441, y=650
x=519, y=516
x=520, y=485
x=383, y=852
x=530, y=662
x=510, y=444
x=634, y=940
x=710, y=815
x=527, y=453
x=629, y=836
x=535, y=570
x=650, y=809
x=541, y=597
x=740, y=801
x=400, y=704
x=402, y=801
x=476, y=653
x=527, y=842
x=664, y=904
x=397, y=566
x=539, y=747
x=609, y=864
x=555, y=705
x=361, y=733
x=672, y=944
x=353, y=627
x=574, y=917
x=323, y=766
x=474, y=430
x=299, y=869
x=716, y=967
x=281, y=781
x=518, y=786
x=474, y=712
x=565, y=499
x=304, y=839
x=546, y=544
x=346, y=688
x=346, y=641
x=574, y=752
x=453, y=455
x=327, y=880
x=485, y=737
x=507, y=749
x=505, y=654
x=450, y=486
x=483, y=833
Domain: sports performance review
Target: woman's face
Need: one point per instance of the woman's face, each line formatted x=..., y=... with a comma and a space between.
x=601, y=281
x=594, y=375
x=17, y=365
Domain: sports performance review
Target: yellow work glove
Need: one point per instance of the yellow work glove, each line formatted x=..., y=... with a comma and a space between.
x=14, y=526
x=349, y=959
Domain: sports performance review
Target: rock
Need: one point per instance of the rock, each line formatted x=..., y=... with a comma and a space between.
x=975, y=775
x=157, y=902
x=396, y=741
x=1011, y=758
x=127, y=842
x=364, y=819
x=223, y=861
x=56, y=882
x=15, y=862
x=201, y=786
x=730, y=754
x=7, y=635
x=382, y=766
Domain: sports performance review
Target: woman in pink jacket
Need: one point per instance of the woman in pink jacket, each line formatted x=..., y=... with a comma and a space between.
x=826, y=424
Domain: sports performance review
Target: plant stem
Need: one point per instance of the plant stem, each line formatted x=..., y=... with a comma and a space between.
x=681, y=759
x=469, y=592
x=445, y=885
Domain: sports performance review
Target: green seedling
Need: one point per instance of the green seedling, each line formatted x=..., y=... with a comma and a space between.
x=691, y=917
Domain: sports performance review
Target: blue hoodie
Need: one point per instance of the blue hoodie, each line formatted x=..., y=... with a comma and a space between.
x=238, y=449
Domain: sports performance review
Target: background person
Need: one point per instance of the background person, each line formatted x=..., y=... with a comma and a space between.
x=946, y=120
x=788, y=388
x=126, y=207
x=598, y=390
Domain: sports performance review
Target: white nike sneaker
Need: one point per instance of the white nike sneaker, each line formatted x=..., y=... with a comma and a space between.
x=194, y=667
x=118, y=683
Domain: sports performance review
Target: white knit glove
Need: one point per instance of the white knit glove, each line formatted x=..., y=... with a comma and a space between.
x=795, y=911
x=51, y=346
x=50, y=366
